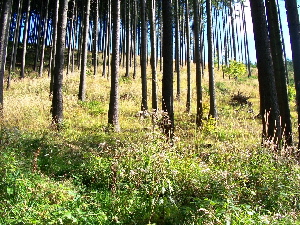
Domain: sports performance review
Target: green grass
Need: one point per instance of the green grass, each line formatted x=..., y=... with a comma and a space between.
x=219, y=174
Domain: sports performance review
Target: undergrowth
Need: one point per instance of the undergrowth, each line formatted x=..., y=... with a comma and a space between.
x=219, y=174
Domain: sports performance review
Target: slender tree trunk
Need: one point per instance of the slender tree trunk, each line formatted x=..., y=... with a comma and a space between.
x=54, y=42
x=177, y=63
x=4, y=22
x=134, y=38
x=15, y=44
x=113, y=112
x=279, y=71
x=294, y=29
x=25, y=36
x=144, y=105
x=268, y=96
x=128, y=34
x=198, y=64
x=167, y=81
x=212, y=94
x=188, y=56
x=44, y=40
x=57, y=100
x=82, y=88
x=153, y=54
x=107, y=41
x=95, y=40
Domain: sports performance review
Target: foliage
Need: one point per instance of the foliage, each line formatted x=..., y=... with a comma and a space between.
x=235, y=69
x=85, y=174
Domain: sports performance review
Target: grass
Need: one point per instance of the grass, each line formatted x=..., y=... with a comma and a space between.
x=219, y=174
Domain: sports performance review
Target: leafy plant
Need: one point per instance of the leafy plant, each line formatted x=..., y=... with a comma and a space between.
x=235, y=69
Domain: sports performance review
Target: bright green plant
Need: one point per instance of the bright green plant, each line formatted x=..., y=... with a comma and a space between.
x=235, y=69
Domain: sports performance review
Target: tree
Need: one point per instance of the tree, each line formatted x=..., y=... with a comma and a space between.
x=269, y=108
x=25, y=35
x=188, y=56
x=113, y=112
x=144, y=105
x=279, y=71
x=212, y=94
x=57, y=99
x=153, y=54
x=167, y=80
x=82, y=88
x=294, y=29
x=198, y=64
x=4, y=22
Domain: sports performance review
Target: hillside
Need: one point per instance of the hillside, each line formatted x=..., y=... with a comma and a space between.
x=86, y=174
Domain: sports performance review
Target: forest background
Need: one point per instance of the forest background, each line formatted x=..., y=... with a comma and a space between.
x=82, y=171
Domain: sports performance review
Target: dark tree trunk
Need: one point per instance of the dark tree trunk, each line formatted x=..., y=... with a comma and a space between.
x=57, y=100
x=268, y=97
x=113, y=112
x=144, y=105
x=212, y=93
x=153, y=54
x=25, y=35
x=294, y=29
x=4, y=22
x=167, y=80
x=54, y=42
x=82, y=88
x=188, y=57
x=177, y=56
x=43, y=38
x=198, y=64
x=279, y=71
x=128, y=35
x=95, y=36
x=106, y=52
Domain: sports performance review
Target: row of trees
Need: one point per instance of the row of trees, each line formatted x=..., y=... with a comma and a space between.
x=187, y=31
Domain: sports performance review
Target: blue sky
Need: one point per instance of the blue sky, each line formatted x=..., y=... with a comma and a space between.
x=284, y=28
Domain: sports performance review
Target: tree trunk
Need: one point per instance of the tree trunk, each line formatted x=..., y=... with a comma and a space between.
x=279, y=71
x=95, y=37
x=4, y=22
x=144, y=105
x=54, y=42
x=268, y=97
x=57, y=100
x=188, y=56
x=25, y=36
x=153, y=54
x=167, y=80
x=177, y=63
x=212, y=94
x=113, y=112
x=198, y=64
x=44, y=40
x=82, y=88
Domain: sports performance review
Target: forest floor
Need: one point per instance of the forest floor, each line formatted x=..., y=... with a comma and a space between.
x=85, y=174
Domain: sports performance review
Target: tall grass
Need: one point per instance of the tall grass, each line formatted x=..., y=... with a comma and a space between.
x=219, y=174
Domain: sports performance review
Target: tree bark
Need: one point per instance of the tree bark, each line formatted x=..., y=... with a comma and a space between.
x=198, y=64
x=57, y=99
x=167, y=80
x=153, y=54
x=269, y=108
x=113, y=112
x=144, y=104
x=212, y=94
x=82, y=84
x=25, y=36
x=294, y=29
x=4, y=22
x=279, y=71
